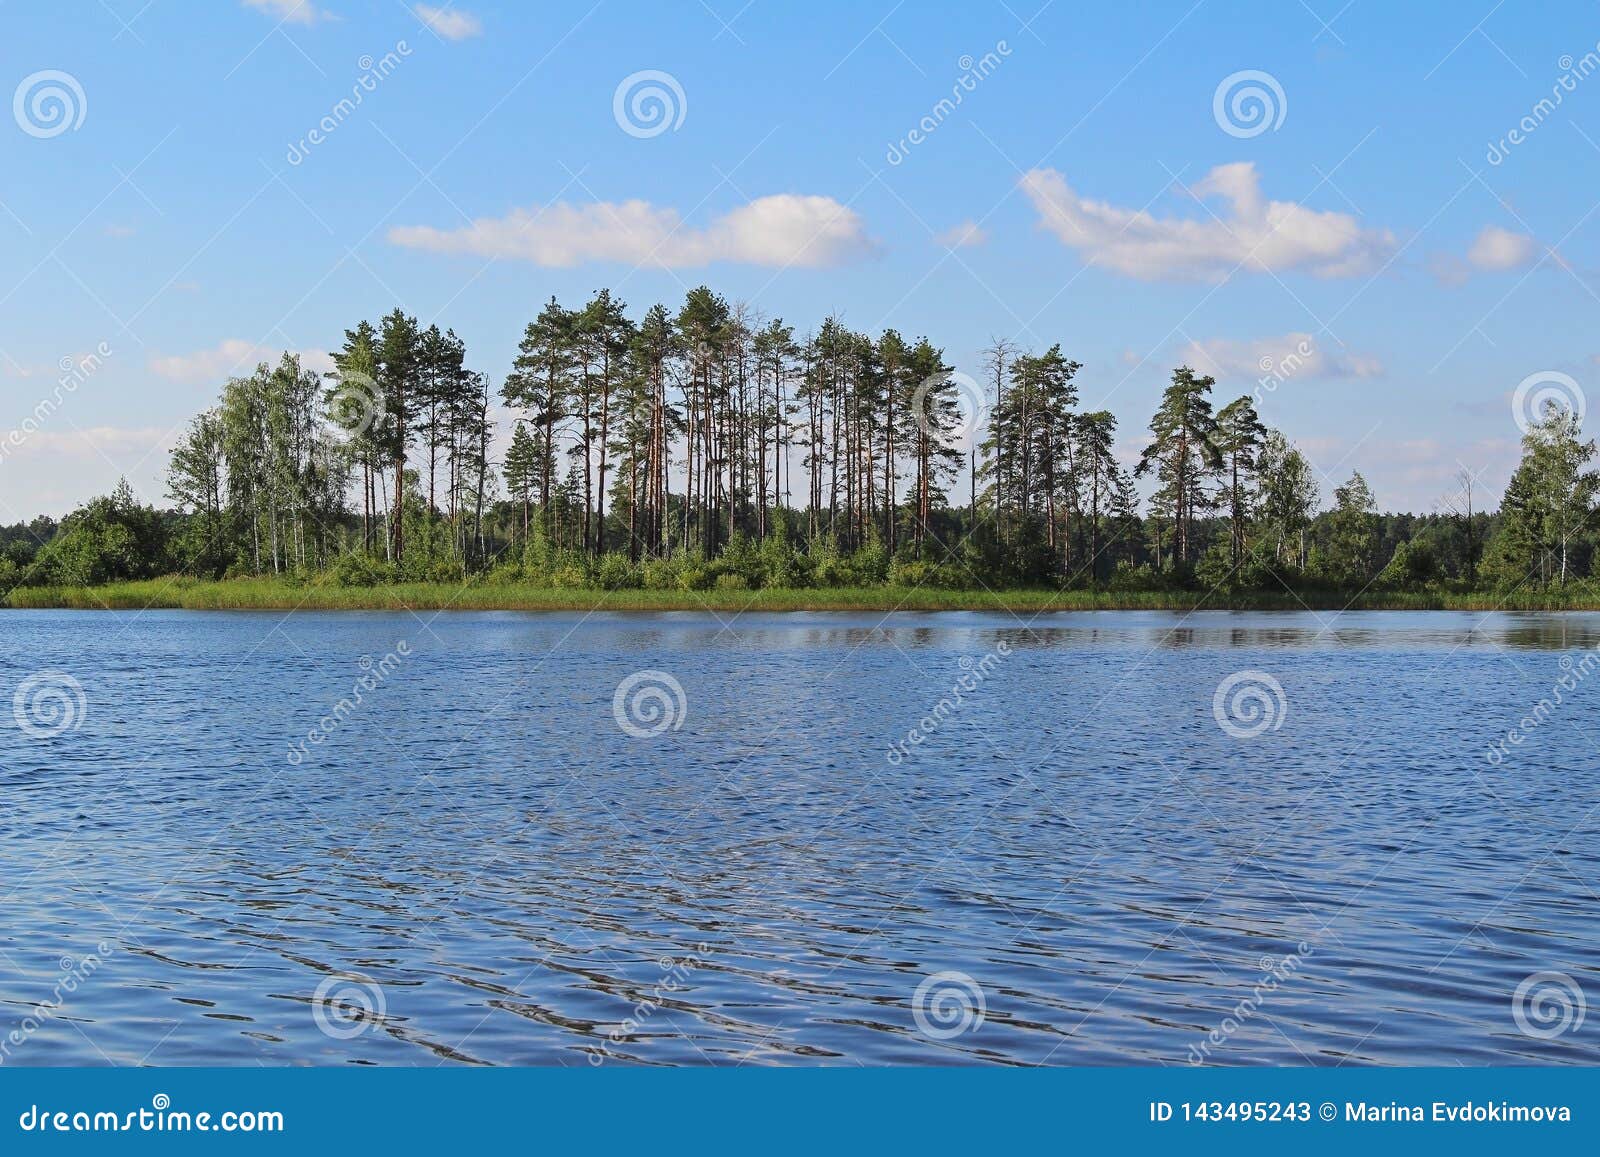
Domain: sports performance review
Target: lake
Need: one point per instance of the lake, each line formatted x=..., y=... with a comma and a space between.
x=1078, y=839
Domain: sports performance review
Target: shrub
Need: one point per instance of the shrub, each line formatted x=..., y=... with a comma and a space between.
x=659, y=574
x=359, y=569
x=1126, y=577
x=107, y=540
x=1413, y=567
x=929, y=575
x=444, y=570
x=568, y=578
x=616, y=573
x=695, y=578
x=870, y=564
x=1215, y=569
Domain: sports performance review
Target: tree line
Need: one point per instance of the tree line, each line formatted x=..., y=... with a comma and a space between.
x=712, y=446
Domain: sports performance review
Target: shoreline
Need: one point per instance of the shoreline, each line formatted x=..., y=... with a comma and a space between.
x=285, y=595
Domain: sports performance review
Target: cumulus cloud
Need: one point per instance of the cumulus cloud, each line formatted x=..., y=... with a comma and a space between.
x=450, y=23
x=289, y=11
x=114, y=442
x=963, y=236
x=1256, y=235
x=785, y=229
x=1289, y=356
x=230, y=358
x=1500, y=249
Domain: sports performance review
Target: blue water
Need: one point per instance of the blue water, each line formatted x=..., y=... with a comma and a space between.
x=1076, y=862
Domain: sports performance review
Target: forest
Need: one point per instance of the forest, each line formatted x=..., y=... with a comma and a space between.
x=714, y=449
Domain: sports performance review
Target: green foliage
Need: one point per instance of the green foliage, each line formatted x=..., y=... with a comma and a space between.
x=568, y=578
x=1127, y=577
x=1413, y=567
x=1215, y=568
x=1546, y=516
x=698, y=451
x=616, y=573
x=740, y=559
x=929, y=575
x=870, y=564
x=110, y=539
x=1263, y=570
x=358, y=569
x=1348, y=556
x=659, y=574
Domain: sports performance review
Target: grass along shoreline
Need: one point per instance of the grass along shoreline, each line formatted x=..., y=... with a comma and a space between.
x=282, y=594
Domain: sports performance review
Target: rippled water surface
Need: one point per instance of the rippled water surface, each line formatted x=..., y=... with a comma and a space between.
x=478, y=864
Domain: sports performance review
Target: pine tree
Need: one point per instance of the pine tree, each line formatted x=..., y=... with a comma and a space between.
x=1237, y=438
x=1182, y=453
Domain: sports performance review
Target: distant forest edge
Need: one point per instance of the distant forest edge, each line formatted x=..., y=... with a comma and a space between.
x=711, y=451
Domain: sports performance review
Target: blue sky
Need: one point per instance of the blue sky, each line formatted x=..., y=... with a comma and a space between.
x=171, y=224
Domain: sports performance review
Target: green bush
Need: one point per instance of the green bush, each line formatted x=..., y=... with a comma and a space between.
x=1215, y=570
x=659, y=574
x=1413, y=567
x=445, y=570
x=695, y=578
x=616, y=573
x=870, y=564
x=928, y=575
x=569, y=578
x=108, y=539
x=1126, y=577
x=359, y=569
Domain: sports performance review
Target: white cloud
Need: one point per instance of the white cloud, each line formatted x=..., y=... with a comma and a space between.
x=57, y=468
x=963, y=236
x=289, y=11
x=1293, y=355
x=785, y=229
x=1259, y=236
x=95, y=442
x=1500, y=249
x=232, y=358
x=450, y=23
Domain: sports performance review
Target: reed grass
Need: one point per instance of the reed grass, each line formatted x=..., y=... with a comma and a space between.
x=288, y=595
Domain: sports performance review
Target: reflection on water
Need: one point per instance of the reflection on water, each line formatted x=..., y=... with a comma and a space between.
x=476, y=864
